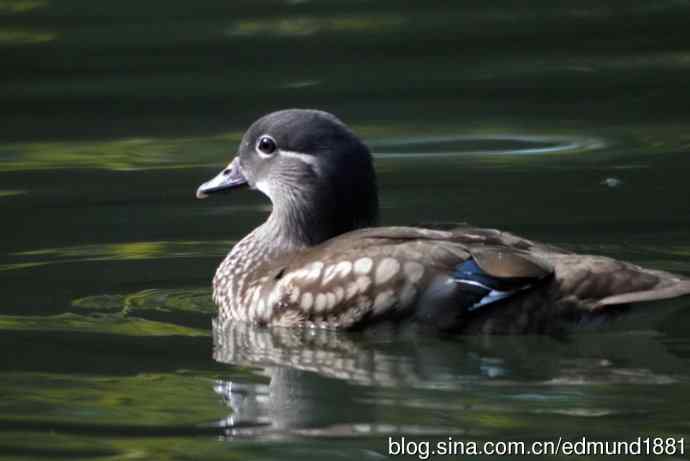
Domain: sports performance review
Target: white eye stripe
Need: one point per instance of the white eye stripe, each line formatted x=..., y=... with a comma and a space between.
x=309, y=159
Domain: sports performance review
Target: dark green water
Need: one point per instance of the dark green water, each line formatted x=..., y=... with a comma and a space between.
x=568, y=123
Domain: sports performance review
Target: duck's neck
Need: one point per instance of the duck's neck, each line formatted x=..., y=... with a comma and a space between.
x=291, y=227
x=277, y=237
x=287, y=229
x=295, y=229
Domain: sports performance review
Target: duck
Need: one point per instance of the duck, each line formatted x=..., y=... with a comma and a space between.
x=320, y=259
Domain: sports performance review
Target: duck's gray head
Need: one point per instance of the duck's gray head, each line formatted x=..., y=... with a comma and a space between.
x=317, y=173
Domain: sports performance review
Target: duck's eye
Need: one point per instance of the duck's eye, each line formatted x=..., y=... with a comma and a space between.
x=266, y=145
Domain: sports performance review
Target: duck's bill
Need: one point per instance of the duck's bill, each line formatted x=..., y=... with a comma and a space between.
x=230, y=178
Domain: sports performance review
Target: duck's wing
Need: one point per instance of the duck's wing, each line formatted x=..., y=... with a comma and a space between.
x=393, y=272
x=593, y=282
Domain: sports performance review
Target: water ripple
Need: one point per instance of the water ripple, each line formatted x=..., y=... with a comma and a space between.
x=190, y=300
x=466, y=145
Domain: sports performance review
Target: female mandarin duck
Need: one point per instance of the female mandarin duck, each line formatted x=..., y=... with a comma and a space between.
x=316, y=262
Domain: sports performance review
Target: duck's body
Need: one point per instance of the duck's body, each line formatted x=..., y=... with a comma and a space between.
x=314, y=263
x=400, y=273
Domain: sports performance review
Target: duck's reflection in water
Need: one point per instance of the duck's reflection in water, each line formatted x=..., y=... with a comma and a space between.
x=327, y=383
x=311, y=374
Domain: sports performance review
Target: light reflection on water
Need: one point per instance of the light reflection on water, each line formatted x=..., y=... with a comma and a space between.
x=115, y=252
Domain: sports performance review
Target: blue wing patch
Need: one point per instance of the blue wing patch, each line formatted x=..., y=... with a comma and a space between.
x=481, y=288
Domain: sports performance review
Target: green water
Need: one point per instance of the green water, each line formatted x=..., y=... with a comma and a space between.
x=568, y=123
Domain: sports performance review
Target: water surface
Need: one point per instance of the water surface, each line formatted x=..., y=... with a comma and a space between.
x=563, y=123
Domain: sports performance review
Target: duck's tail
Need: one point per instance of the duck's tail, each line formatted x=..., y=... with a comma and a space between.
x=669, y=286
